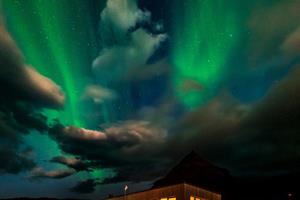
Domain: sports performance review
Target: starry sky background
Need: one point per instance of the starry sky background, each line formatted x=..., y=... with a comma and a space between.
x=97, y=94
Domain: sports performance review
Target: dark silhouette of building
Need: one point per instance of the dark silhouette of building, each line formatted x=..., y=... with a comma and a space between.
x=193, y=178
x=195, y=170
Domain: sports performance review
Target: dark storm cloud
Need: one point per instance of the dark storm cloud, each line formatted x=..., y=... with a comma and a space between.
x=209, y=128
x=257, y=139
x=273, y=126
x=38, y=173
x=84, y=187
x=73, y=163
x=13, y=161
x=23, y=92
x=121, y=146
x=274, y=33
x=22, y=82
x=15, y=121
x=128, y=140
x=139, y=150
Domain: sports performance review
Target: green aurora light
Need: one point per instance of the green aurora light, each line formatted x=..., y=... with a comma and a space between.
x=204, y=32
x=57, y=39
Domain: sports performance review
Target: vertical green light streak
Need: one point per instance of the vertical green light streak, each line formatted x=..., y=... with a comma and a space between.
x=53, y=36
x=57, y=38
x=52, y=31
x=204, y=33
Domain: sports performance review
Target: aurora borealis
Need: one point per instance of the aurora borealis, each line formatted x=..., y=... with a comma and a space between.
x=204, y=59
x=53, y=45
x=97, y=92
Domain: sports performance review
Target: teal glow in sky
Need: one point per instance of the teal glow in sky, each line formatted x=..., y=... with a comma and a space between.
x=144, y=83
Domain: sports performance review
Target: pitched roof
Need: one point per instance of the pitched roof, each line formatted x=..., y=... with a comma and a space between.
x=195, y=170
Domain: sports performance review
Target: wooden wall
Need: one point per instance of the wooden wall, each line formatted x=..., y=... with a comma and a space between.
x=191, y=190
x=180, y=191
x=155, y=194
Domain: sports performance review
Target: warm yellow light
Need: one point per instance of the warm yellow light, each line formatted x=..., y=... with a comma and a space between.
x=164, y=199
x=173, y=198
x=194, y=198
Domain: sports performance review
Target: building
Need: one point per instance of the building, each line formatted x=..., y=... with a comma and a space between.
x=193, y=178
x=181, y=191
x=197, y=171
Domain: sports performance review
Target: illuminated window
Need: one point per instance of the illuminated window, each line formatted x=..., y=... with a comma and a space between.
x=194, y=198
x=170, y=198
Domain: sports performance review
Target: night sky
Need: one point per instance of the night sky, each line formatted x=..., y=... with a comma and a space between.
x=96, y=94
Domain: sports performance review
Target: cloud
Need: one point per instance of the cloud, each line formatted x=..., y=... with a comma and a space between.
x=272, y=31
x=259, y=139
x=291, y=43
x=73, y=163
x=128, y=136
x=98, y=94
x=273, y=126
x=44, y=88
x=84, y=134
x=115, y=62
x=26, y=84
x=124, y=46
x=24, y=92
x=164, y=113
x=22, y=81
x=122, y=15
x=139, y=131
x=282, y=98
x=208, y=129
x=9, y=53
x=15, y=122
x=14, y=161
x=119, y=146
x=39, y=172
x=84, y=187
